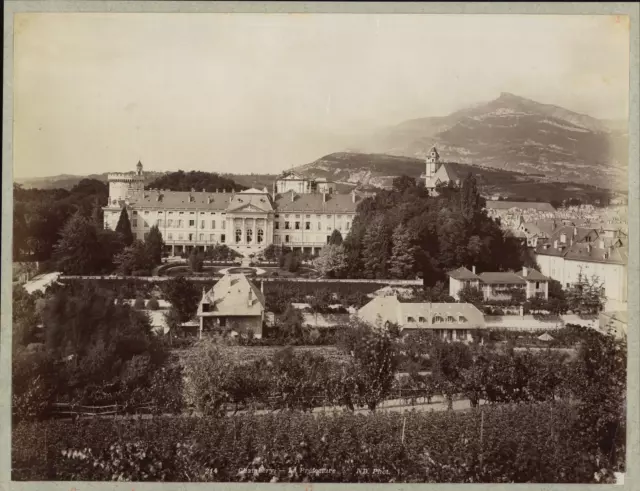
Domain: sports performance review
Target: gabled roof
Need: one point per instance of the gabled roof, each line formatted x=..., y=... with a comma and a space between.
x=532, y=275
x=313, y=203
x=463, y=273
x=232, y=295
x=259, y=201
x=501, y=277
x=424, y=315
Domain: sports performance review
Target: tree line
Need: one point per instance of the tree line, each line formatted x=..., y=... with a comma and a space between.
x=404, y=232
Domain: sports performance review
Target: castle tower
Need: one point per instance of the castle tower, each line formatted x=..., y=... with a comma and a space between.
x=121, y=184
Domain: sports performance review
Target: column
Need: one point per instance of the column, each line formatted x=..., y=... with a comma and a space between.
x=201, y=326
x=173, y=249
x=244, y=230
x=255, y=230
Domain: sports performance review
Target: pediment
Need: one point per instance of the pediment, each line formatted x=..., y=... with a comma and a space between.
x=248, y=208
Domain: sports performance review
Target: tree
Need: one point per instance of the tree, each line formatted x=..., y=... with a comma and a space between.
x=375, y=361
x=154, y=244
x=402, y=183
x=124, y=227
x=403, y=255
x=196, y=261
x=291, y=326
x=291, y=262
x=78, y=251
x=471, y=294
x=376, y=249
x=183, y=296
x=332, y=261
x=471, y=201
x=335, y=238
x=586, y=295
x=448, y=362
x=134, y=258
x=270, y=252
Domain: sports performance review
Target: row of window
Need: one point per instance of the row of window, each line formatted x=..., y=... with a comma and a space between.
x=180, y=223
x=307, y=226
x=287, y=215
x=191, y=237
x=438, y=319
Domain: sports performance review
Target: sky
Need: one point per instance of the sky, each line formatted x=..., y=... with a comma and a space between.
x=261, y=93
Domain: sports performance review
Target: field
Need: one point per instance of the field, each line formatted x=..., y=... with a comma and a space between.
x=521, y=443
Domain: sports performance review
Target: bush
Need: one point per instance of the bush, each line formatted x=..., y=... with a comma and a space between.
x=139, y=303
x=525, y=443
x=152, y=304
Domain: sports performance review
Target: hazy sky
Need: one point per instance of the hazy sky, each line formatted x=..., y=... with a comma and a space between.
x=260, y=93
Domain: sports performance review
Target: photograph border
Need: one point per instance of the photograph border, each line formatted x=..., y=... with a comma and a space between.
x=12, y=7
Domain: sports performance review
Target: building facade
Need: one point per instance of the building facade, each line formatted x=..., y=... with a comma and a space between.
x=246, y=221
x=574, y=252
x=449, y=321
x=232, y=305
x=499, y=285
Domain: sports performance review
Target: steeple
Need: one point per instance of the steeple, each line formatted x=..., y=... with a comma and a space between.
x=139, y=168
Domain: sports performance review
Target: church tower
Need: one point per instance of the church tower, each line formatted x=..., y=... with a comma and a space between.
x=432, y=163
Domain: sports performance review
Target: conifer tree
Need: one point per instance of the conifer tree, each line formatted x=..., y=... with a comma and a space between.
x=335, y=238
x=377, y=245
x=124, y=227
x=78, y=251
x=403, y=255
x=155, y=244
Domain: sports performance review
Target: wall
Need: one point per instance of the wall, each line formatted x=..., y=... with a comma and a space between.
x=239, y=324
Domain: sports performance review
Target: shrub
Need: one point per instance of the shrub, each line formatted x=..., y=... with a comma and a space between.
x=524, y=443
x=152, y=304
x=139, y=303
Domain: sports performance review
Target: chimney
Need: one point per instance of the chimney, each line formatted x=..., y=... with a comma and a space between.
x=563, y=238
x=353, y=195
x=524, y=271
x=204, y=190
x=324, y=196
x=555, y=244
x=293, y=196
x=473, y=269
x=224, y=190
x=588, y=247
x=193, y=190
x=601, y=244
x=250, y=297
x=262, y=287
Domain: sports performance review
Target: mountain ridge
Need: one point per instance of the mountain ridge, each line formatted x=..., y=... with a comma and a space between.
x=514, y=133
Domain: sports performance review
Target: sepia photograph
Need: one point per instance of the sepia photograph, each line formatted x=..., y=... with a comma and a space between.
x=318, y=247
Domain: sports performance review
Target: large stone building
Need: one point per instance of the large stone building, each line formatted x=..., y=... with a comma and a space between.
x=593, y=253
x=300, y=214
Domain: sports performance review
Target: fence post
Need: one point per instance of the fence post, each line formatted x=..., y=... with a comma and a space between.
x=404, y=420
x=481, y=437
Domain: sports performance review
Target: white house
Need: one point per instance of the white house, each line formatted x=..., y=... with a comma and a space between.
x=495, y=285
x=450, y=321
x=573, y=252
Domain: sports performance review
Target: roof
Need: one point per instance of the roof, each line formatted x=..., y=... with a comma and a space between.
x=545, y=337
x=232, y=295
x=180, y=200
x=422, y=315
x=532, y=275
x=577, y=248
x=463, y=273
x=501, y=277
x=41, y=282
x=313, y=203
x=250, y=202
x=522, y=205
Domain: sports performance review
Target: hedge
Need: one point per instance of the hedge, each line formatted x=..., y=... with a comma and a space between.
x=526, y=443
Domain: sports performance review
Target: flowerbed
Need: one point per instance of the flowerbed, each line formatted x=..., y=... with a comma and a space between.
x=525, y=443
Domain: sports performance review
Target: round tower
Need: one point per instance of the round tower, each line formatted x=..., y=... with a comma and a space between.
x=121, y=184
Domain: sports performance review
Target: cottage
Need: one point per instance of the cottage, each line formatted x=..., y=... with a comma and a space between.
x=499, y=285
x=233, y=304
x=450, y=321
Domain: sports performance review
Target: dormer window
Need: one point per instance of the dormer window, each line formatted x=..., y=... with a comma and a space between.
x=450, y=319
x=422, y=319
x=437, y=319
x=410, y=319
x=462, y=319
x=206, y=307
